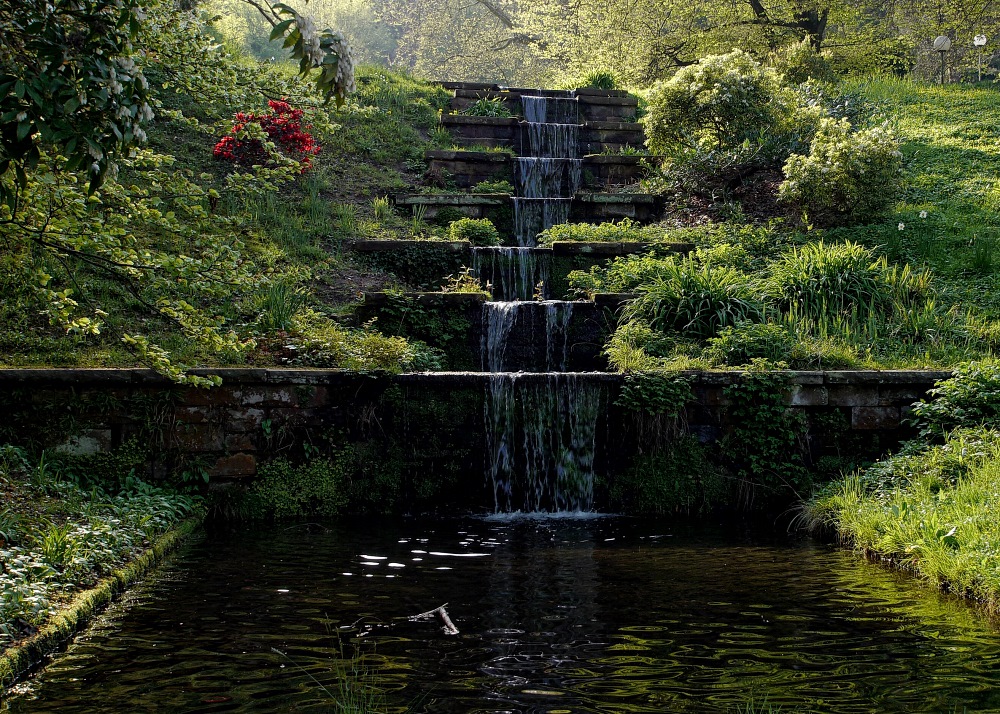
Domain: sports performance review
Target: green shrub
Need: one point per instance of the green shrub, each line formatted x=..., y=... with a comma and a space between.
x=600, y=79
x=621, y=275
x=493, y=187
x=478, y=231
x=799, y=62
x=624, y=231
x=970, y=398
x=741, y=344
x=847, y=177
x=318, y=487
x=695, y=299
x=488, y=107
x=722, y=101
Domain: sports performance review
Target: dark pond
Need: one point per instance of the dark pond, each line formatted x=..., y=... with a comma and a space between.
x=585, y=615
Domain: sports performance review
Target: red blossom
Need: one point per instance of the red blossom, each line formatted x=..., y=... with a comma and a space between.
x=283, y=126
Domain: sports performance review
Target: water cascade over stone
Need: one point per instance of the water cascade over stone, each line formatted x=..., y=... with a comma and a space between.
x=551, y=318
x=548, y=173
x=540, y=441
x=513, y=273
x=540, y=425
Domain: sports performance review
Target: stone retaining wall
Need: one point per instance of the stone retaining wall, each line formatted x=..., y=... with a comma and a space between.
x=434, y=419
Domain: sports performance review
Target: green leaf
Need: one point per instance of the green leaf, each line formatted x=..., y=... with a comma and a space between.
x=280, y=29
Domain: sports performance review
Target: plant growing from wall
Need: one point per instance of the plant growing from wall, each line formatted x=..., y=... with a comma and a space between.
x=478, y=231
x=488, y=107
x=764, y=446
x=968, y=399
x=671, y=472
x=316, y=487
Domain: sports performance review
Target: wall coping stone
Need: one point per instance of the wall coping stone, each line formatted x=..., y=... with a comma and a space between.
x=467, y=119
x=568, y=247
x=618, y=159
x=459, y=155
x=452, y=199
x=381, y=246
x=23, y=377
x=612, y=125
x=429, y=298
x=616, y=197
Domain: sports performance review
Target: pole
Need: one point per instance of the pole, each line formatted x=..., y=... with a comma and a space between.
x=942, y=67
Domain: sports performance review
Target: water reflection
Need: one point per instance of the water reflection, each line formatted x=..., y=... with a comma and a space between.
x=574, y=615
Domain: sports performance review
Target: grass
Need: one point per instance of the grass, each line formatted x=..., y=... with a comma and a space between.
x=294, y=238
x=951, y=146
x=929, y=510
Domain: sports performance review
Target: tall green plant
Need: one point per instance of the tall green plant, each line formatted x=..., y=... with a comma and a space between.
x=696, y=299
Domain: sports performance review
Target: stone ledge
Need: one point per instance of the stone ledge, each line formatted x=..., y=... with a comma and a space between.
x=452, y=199
x=382, y=246
x=571, y=248
x=34, y=377
x=457, y=155
x=469, y=120
x=428, y=299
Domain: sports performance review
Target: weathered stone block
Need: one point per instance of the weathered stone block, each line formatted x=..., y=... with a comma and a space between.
x=848, y=395
x=808, y=396
x=874, y=418
x=87, y=442
x=199, y=437
x=245, y=419
x=196, y=415
x=235, y=466
x=240, y=442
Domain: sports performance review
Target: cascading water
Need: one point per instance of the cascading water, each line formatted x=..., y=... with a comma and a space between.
x=541, y=427
x=540, y=441
x=513, y=273
x=548, y=175
x=553, y=317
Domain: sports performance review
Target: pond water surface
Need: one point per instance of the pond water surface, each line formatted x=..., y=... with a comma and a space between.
x=554, y=615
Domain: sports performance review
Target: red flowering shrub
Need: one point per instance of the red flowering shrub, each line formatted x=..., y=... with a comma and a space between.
x=283, y=126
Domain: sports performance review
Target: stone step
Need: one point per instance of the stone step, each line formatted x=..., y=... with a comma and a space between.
x=594, y=137
x=465, y=169
x=428, y=263
x=586, y=207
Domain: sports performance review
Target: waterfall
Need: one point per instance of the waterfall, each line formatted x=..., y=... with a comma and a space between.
x=540, y=440
x=498, y=319
x=540, y=428
x=558, y=314
x=548, y=175
x=557, y=141
x=545, y=177
x=534, y=215
x=513, y=273
x=550, y=110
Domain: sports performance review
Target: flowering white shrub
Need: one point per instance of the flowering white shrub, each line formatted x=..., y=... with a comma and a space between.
x=722, y=101
x=847, y=177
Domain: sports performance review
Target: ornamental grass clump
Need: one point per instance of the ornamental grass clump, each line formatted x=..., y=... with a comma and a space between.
x=822, y=280
x=696, y=299
x=848, y=177
x=247, y=142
